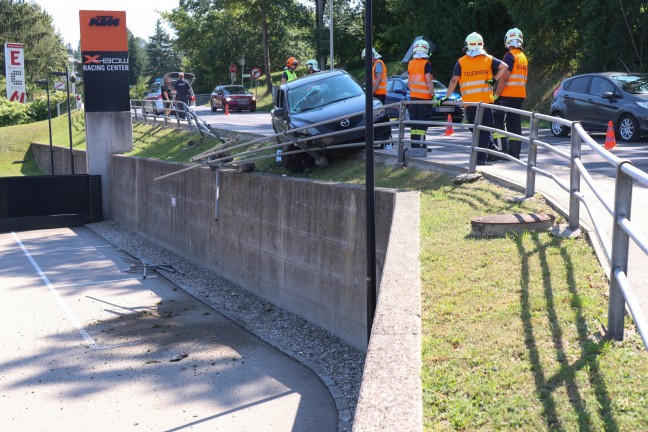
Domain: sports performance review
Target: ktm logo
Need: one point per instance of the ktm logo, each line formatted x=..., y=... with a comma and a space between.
x=104, y=21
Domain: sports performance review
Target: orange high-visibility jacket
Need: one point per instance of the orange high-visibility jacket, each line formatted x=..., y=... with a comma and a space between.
x=516, y=83
x=475, y=71
x=416, y=81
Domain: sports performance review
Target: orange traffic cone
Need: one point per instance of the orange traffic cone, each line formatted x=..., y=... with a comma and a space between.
x=449, y=130
x=226, y=109
x=610, y=141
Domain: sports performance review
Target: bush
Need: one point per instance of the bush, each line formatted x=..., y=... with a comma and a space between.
x=13, y=113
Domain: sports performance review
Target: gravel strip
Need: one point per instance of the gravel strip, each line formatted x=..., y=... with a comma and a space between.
x=338, y=364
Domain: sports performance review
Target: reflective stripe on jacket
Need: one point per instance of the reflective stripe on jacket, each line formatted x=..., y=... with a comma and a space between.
x=475, y=71
x=416, y=81
x=516, y=83
x=382, y=87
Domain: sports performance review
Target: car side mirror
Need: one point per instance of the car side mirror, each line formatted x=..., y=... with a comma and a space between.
x=399, y=91
x=608, y=95
x=279, y=112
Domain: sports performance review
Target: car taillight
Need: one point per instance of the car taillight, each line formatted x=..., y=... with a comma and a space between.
x=193, y=98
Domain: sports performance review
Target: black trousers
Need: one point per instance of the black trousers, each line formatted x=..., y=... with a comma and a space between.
x=509, y=122
x=484, y=136
x=422, y=113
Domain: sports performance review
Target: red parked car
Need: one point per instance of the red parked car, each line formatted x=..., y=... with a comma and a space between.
x=236, y=97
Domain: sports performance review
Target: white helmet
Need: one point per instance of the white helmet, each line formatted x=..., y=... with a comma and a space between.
x=514, y=38
x=374, y=53
x=474, y=41
x=421, y=46
x=312, y=64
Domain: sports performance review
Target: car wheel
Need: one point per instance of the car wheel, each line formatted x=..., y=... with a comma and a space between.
x=252, y=109
x=296, y=163
x=627, y=128
x=557, y=129
x=213, y=107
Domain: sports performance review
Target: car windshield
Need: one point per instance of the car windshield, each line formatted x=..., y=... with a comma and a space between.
x=633, y=84
x=235, y=90
x=315, y=94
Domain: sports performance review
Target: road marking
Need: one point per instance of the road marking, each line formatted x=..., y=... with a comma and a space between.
x=68, y=312
x=103, y=281
x=78, y=248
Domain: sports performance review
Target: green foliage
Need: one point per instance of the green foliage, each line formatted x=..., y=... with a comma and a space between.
x=162, y=57
x=13, y=113
x=137, y=60
x=26, y=23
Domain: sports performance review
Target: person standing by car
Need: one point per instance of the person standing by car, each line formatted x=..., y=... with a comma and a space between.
x=289, y=73
x=313, y=66
x=511, y=92
x=421, y=86
x=378, y=76
x=167, y=94
x=474, y=74
x=183, y=93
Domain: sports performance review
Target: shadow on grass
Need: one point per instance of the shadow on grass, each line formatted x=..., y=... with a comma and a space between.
x=29, y=167
x=589, y=350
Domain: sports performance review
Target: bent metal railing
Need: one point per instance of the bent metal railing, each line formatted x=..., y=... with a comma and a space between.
x=616, y=249
x=172, y=111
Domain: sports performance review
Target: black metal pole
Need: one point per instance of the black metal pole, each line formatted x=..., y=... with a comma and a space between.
x=369, y=172
x=67, y=84
x=49, y=122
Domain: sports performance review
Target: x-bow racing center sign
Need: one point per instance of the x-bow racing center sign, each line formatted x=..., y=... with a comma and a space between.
x=104, y=50
x=15, y=70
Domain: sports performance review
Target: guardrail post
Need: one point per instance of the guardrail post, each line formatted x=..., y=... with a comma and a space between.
x=479, y=115
x=401, y=135
x=532, y=160
x=620, y=242
x=574, y=180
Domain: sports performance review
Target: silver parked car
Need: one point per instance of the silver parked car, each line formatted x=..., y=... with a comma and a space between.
x=597, y=98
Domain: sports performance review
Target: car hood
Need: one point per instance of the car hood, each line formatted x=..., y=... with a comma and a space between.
x=334, y=110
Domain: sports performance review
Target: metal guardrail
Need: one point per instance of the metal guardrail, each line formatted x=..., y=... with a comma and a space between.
x=174, y=111
x=616, y=249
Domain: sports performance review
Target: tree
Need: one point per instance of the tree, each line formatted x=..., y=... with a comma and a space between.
x=137, y=60
x=160, y=53
x=26, y=23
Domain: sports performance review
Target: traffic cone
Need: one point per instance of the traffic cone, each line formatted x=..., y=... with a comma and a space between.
x=449, y=130
x=610, y=141
x=226, y=109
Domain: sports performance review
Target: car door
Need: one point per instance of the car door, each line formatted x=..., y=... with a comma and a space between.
x=279, y=113
x=599, y=110
x=576, y=93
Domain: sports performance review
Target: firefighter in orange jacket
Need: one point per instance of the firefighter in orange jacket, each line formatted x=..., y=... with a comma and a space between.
x=420, y=82
x=511, y=92
x=378, y=76
x=474, y=74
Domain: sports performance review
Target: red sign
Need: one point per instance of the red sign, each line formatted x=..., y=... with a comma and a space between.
x=255, y=73
x=232, y=67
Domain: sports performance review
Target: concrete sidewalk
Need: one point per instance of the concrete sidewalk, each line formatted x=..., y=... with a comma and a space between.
x=85, y=346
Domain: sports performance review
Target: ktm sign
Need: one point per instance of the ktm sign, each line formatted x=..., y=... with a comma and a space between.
x=104, y=21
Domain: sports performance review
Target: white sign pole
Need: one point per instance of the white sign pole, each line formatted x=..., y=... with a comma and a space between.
x=15, y=71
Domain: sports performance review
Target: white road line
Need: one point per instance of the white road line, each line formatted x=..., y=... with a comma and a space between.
x=104, y=281
x=77, y=248
x=68, y=312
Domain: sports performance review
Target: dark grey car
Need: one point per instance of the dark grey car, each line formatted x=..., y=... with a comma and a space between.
x=597, y=98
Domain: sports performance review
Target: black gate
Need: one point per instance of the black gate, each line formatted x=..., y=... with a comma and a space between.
x=38, y=202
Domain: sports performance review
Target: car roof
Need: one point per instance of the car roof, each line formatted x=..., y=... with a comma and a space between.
x=312, y=78
x=608, y=74
x=188, y=76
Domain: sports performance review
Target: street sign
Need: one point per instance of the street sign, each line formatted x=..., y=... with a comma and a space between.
x=255, y=72
x=233, y=77
x=232, y=68
x=245, y=75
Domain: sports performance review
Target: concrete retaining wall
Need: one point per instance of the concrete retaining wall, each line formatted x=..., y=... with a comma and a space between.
x=297, y=243
x=62, y=163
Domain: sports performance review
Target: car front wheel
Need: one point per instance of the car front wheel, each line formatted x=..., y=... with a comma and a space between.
x=627, y=128
x=213, y=107
x=557, y=129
